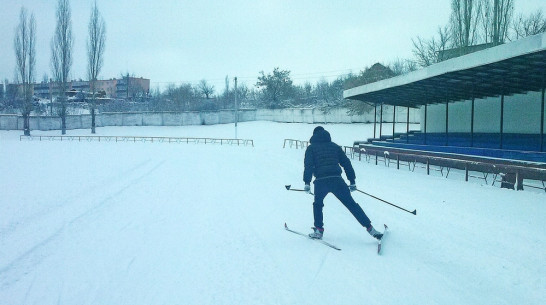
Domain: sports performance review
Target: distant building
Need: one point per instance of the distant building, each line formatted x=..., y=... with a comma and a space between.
x=131, y=87
x=107, y=86
x=80, y=86
x=49, y=89
x=111, y=88
x=14, y=90
x=42, y=89
x=376, y=73
x=372, y=74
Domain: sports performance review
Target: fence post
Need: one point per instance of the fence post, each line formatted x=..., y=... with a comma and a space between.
x=428, y=166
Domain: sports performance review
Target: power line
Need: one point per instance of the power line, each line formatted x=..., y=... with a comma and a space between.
x=298, y=76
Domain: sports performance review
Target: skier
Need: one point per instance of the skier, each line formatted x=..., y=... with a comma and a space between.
x=323, y=159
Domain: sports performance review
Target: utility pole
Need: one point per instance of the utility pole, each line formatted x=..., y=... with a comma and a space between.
x=236, y=108
x=50, y=97
x=127, y=86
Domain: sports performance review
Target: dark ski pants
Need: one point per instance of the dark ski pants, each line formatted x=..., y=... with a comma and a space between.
x=336, y=186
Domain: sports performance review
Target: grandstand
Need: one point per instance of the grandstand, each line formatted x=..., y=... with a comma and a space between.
x=486, y=107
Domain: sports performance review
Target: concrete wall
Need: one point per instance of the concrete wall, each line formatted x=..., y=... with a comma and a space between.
x=521, y=115
x=307, y=115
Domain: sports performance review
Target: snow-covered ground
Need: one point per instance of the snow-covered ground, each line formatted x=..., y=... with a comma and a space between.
x=158, y=223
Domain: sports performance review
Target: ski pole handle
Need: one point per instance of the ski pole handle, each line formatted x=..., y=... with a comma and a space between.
x=288, y=188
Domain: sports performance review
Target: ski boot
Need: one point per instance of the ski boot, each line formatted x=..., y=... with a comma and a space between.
x=374, y=233
x=317, y=233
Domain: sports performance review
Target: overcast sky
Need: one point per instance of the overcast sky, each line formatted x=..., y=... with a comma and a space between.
x=175, y=41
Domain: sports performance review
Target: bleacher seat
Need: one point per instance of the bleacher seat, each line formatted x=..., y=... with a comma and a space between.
x=514, y=146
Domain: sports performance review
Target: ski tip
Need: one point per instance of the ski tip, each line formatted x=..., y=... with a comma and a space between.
x=287, y=187
x=285, y=226
x=383, y=224
x=414, y=212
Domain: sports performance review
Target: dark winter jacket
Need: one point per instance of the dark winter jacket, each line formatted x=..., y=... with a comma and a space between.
x=323, y=158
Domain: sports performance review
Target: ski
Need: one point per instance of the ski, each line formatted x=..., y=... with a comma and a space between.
x=382, y=237
x=305, y=235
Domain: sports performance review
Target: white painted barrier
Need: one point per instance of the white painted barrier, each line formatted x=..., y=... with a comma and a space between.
x=293, y=115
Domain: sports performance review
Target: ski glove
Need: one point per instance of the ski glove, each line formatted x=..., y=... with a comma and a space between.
x=307, y=188
x=352, y=187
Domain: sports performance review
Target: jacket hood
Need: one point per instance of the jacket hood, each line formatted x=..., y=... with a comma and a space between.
x=321, y=136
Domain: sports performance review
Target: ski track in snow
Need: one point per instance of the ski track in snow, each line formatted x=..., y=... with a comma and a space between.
x=27, y=259
x=70, y=200
x=203, y=224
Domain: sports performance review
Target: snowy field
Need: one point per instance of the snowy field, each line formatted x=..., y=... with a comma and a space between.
x=159, y=223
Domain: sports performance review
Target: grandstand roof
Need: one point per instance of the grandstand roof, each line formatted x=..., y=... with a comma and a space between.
x=511, y=68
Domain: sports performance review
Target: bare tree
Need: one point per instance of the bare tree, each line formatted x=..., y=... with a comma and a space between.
x=25, y=54
x=429, y=52
x=464, y=19
x=243, y=93
x=205, y=89
x=424, y=51
x=402, y=66
x=226, y=96
x=307, y=89
x=533, y=24
x=411, y=65
x=496, y=18
x=95, y=54
x=61, y=58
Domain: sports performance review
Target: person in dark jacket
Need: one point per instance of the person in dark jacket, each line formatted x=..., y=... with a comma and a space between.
x=322, y=160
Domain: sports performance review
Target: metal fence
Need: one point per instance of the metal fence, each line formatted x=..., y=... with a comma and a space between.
x=238, y=142
x=295, y=143
x=470, y=166
x=510, y=173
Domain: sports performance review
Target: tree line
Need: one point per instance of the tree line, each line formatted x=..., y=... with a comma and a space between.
x=62, y=44
x=473, y=24
x=272, y=90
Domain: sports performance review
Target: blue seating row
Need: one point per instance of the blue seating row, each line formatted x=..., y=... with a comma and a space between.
x=514, y=146
x=525, y=142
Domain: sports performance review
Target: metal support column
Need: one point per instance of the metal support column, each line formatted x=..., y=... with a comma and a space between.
x=381, y=122
x=393, y=121
x=374, y=119
x=472, y=120
x=407, y=124
x=425, y=127
x=502, y=116
x=447, y=123
x=542, y=118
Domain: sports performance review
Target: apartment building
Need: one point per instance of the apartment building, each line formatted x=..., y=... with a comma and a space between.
x=126, y=87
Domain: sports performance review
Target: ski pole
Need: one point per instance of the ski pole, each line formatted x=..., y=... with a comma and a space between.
x=414, y=211
x=288, y=188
